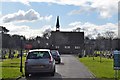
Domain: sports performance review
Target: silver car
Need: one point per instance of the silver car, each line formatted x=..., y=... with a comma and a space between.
x=39, y=61
x=56, y=56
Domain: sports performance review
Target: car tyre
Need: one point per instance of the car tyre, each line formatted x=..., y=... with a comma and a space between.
x=59, y=61
x=53, y=73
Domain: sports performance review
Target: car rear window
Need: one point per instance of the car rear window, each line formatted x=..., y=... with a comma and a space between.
x=54, y=53
x=38, y=55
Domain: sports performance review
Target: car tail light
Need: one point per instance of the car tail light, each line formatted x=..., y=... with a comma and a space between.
x=50, y=60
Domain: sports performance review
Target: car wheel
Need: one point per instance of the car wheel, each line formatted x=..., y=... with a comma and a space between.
x=59, y=61
x=53, y=73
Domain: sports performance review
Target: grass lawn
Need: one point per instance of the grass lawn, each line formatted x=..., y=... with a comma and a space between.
x=11, y=68
x=100, y=70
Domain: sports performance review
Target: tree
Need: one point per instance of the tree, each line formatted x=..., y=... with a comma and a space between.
x=3, y=29
x=77, y=30
x=5, y=40
x=99, y=36
x=109, y=34
x=47, y=33
x=5, y=37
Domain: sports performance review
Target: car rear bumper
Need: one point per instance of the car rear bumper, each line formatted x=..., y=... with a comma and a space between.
x=57, y=59
x=34, y=72
x=39, y=70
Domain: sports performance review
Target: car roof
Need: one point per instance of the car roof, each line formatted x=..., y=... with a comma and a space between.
x=54, y=50
x=39, y=50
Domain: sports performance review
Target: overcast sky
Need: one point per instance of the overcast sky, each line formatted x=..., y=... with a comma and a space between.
x=31, y=17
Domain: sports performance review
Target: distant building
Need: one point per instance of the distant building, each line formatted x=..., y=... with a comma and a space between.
x=66, y=42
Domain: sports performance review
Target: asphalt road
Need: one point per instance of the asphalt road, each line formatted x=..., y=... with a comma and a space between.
x=69, y=68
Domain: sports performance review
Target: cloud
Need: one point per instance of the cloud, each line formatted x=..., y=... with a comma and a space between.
x=48, y=18
x=88, y=28
x=93, y=29
x=0, y=12
x=105, y=8
x=25, y=2
x=82, y=9
x=22, y=16
x=24, y=30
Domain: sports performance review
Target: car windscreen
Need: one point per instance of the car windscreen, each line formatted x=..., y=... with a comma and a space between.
x=38, y=55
